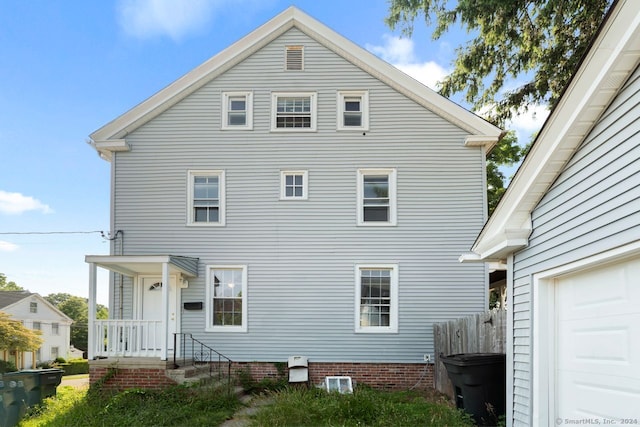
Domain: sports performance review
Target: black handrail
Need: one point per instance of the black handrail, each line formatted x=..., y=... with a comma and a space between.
x=200, y=354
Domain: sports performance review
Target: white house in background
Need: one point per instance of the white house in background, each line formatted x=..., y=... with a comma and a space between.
x=568, y=230
x=293, y=195
x=37, y=313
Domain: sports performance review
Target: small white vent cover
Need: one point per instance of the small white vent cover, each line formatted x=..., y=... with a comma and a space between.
x=294, y=58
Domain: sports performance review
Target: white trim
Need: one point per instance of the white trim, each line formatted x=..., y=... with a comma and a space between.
x=209, y=327
x=293, y=17
x=509, y=344
x=313, y=105
x=364, y=109
x=605, y=69
x=543, y=327
x=391, y=173
x=191, y=174
x=248, y=95
x=393, y=315
x=305, y=184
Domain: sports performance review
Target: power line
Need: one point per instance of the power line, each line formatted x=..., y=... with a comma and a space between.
x=50, y=232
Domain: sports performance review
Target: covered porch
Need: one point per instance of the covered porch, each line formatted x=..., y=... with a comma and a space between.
x=148, y=332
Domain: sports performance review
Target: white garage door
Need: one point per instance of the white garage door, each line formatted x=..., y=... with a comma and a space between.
x=597, y=369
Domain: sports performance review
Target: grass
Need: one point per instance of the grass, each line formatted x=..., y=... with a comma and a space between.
x=196, y=406
x=365, y=407
x=175, y=406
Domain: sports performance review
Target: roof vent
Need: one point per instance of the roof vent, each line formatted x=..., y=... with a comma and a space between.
x=294, y=56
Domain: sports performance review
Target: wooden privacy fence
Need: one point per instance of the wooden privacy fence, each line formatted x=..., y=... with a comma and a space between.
x=480, y=333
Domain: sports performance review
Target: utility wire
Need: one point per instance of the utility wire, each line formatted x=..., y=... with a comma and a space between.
x=50, y=232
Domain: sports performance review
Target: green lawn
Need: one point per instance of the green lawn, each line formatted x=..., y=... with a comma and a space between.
x=199, y=406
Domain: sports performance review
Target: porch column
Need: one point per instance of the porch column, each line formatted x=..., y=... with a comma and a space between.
x=92, y=309
x=165, y=311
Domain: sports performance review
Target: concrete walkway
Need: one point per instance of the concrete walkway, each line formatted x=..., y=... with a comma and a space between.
x=76, y=382
x=242, y=417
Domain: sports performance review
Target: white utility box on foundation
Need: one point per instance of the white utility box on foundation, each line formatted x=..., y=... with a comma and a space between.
x=298, y=369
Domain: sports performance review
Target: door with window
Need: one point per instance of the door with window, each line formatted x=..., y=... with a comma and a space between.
x=150, y=305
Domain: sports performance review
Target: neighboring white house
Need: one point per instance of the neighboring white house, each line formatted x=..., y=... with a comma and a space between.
x=568, y=230
x=299, y=196
x=37, y=313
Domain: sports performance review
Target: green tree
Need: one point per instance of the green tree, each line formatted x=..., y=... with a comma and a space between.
x=532, y=45
x=15, y=336
x=8, y=286
x=77, y=308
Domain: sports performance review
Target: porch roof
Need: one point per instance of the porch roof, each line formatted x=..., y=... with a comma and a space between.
x=131, y=265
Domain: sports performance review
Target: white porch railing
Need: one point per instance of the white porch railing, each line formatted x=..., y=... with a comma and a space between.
x=128, y=338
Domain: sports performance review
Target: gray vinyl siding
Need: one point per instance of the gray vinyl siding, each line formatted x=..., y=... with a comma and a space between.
x=593, y=206
x=301, y=255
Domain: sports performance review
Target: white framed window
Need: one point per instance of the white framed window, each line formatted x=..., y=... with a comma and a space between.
x=226, y=293
x=206, y=198
x=376, y=197
x=37, y=326
x=353, y=110
x=293, y=185
x=294, y=58
x=55, y=352
x=33, y=307
x=55, y=329
x=376, y=309
x=293, y=111
x=237, y=110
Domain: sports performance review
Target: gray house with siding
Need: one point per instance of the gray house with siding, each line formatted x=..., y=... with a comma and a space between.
x=300, y=196
x=568, y=231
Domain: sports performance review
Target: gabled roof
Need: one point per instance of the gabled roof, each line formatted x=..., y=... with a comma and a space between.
x=612, y=57
x=111, y=137
x=10, y=298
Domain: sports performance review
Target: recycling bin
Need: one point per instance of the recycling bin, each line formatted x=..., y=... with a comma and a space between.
x=479, y=383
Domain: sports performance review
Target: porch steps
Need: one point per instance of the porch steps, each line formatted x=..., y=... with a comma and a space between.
x=194, y=374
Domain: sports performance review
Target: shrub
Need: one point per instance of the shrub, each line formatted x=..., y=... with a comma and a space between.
x=6, y=366
x=75, y=367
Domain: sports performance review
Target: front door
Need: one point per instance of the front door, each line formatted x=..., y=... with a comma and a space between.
x=150, y=306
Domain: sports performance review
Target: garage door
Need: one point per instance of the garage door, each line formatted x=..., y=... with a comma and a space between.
x=597, y=359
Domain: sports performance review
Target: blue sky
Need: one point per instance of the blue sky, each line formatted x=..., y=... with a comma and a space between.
x=69, y=67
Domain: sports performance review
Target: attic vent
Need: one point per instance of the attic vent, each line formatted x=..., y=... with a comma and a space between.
x=294, y=58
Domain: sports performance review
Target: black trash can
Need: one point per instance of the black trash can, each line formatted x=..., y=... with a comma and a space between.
x=38, y=383
x=479, y=384
x=13, y=402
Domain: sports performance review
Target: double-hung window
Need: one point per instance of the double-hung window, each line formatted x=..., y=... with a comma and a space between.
x=353, y=110
x=377, y=298
x=237, y=110
x=293, y=111
x=226, y=291
x=55, y=329
x=377, y=197
x=206, y=198
x=33, y=307
x=293, y=185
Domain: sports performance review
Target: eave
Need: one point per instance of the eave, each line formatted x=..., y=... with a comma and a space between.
x=480, y=131
x=613, y=56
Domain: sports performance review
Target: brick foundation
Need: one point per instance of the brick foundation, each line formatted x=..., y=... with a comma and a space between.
x=388, y=376
x=130, y=373
x=150, y=373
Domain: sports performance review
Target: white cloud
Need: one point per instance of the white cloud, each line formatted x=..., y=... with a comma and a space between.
x=174, y=18
x=526, y=123
x=7, y=246
x=16, y=203
x=401, y=53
